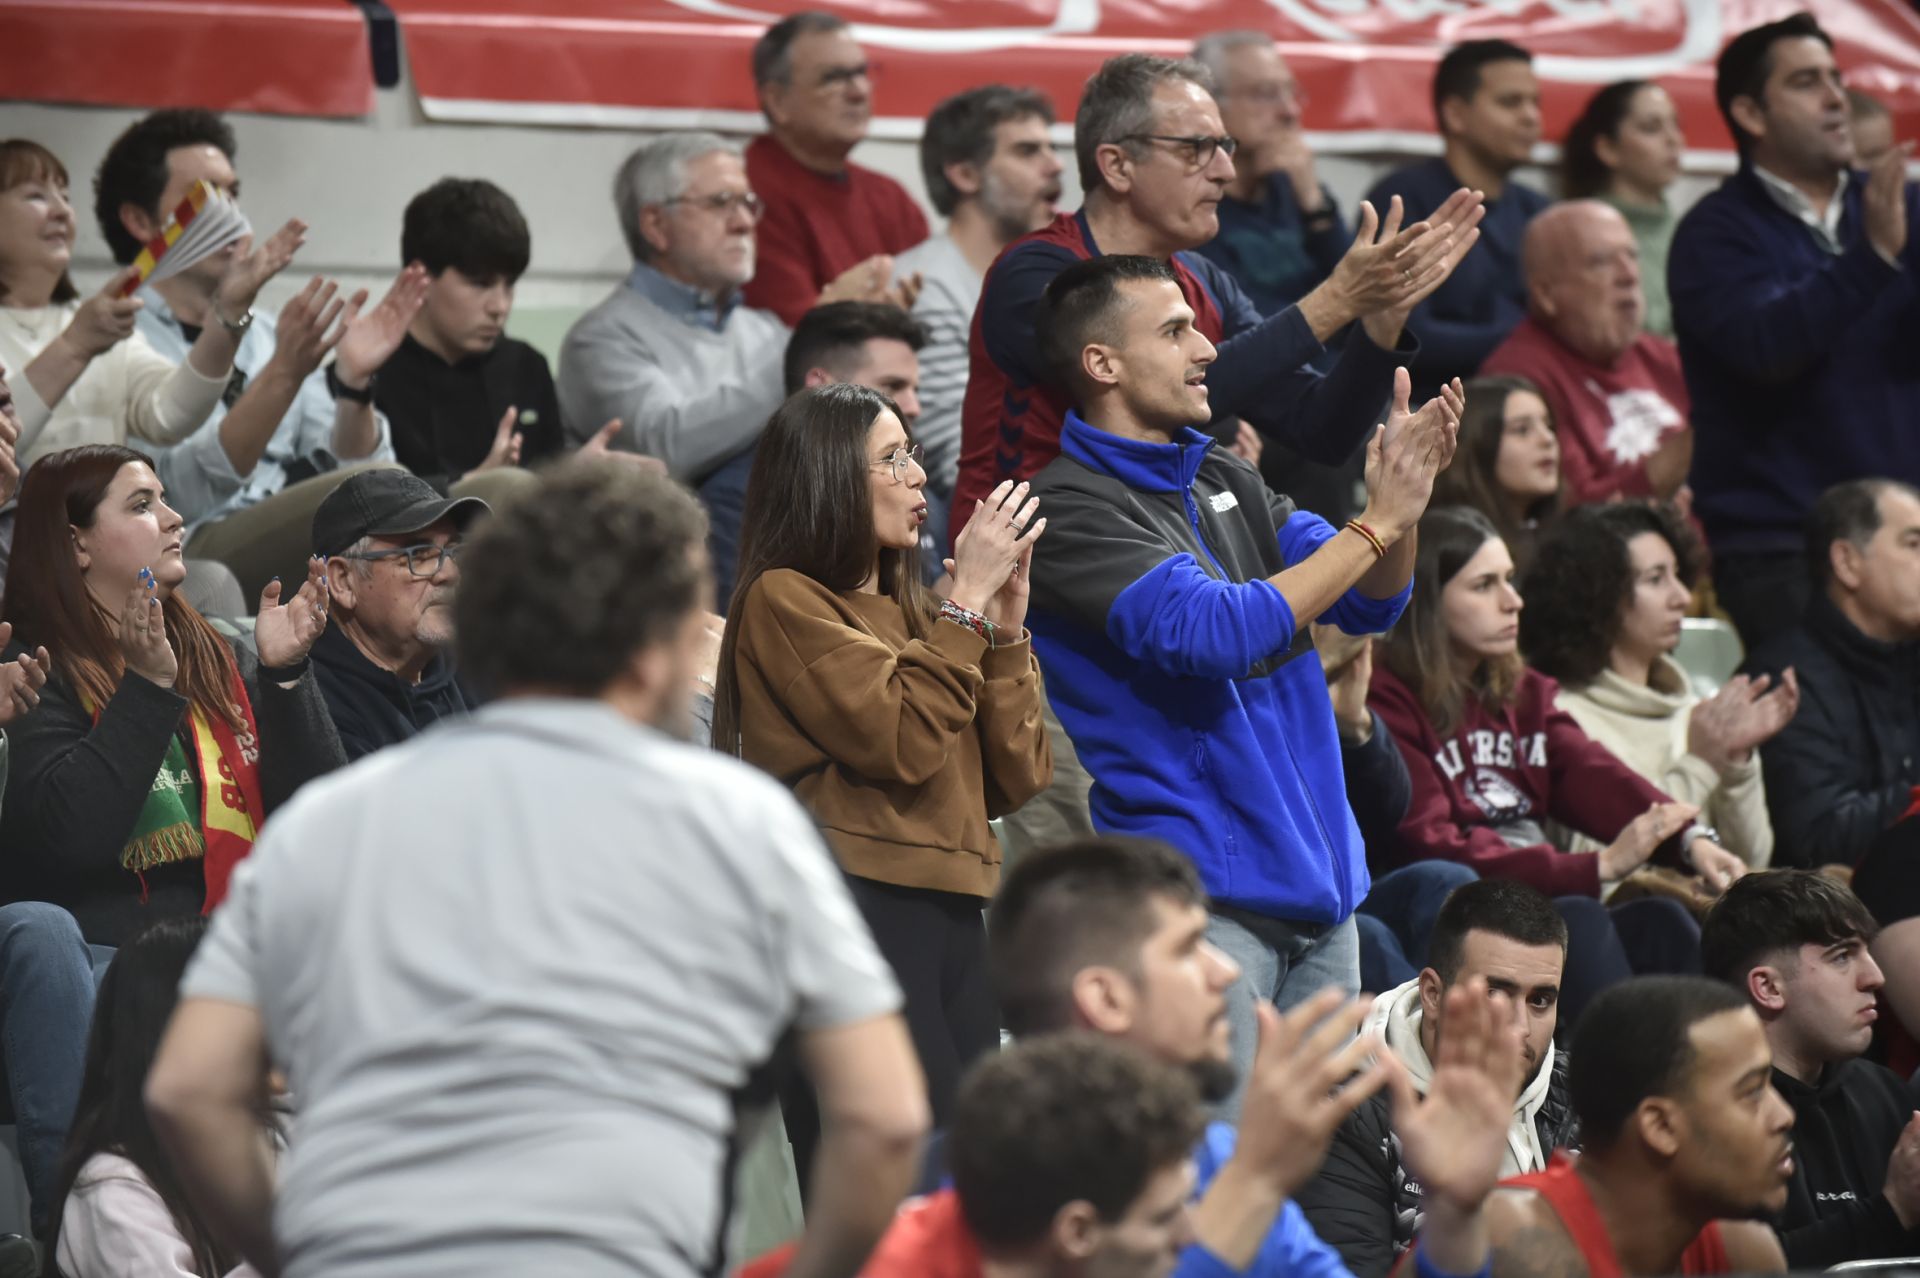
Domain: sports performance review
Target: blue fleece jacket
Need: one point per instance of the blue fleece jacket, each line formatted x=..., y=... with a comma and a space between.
x=1194, y=698
x=1290, y=1250
x=1800, y=362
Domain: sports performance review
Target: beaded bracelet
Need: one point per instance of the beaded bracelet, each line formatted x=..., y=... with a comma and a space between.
x=1373, y=538
x=968, y=618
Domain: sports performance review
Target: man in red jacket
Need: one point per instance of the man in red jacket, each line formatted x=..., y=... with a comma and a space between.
x=1619, y=402
x=823, y=215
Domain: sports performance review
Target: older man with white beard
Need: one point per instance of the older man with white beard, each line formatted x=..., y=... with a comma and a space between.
x=1618, y=399
x=691, y=373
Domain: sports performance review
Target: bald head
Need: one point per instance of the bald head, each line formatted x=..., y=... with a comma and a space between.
x=1583, y=278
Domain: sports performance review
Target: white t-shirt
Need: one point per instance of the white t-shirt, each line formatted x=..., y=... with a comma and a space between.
x=115, y=1224
x=523, y=972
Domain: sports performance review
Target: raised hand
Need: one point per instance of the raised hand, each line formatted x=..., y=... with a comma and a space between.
x=601, y=446
x=251, y=268
x=307, y=328
x=506, y=443
x=1309, y=1072
x=285, y=632
x=866, y=281
x=996, y=541
x=905, y=291
x=21, y=679
x=371, y=337
x=103, y=320
x=1643, y=834
x=1426, y=265
x=1453, y=1139
x=1886, y=201
x=143, y=634
x=1902, y=1187
x=1407, y=452
x=1724, y=729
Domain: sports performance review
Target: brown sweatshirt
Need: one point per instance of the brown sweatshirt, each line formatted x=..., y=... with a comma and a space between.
x=901, y=748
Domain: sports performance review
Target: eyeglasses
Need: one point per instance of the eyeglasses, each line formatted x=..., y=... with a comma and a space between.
x=837, y=77
x=1199, y=149
x=423, y=560
x=901, y=459
x=723, y=202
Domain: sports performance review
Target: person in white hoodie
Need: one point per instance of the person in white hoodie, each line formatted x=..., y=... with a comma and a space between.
x=1364, y=1202
x=1605, y=598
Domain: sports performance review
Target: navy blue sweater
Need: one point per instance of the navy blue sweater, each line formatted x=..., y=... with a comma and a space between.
x=1800, y=363
x=1485, y=297
x=1269, y=249
x=1187, y=685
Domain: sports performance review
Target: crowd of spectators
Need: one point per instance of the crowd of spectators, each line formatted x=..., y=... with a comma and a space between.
x=1136, y=630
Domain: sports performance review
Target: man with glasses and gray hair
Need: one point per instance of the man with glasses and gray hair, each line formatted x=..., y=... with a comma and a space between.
x=825, y=215
x=391, y=544
x=690, y=372
x=1155, y=161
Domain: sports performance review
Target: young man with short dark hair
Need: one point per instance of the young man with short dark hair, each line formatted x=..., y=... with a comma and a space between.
x=869, y=344
x=1795, y=943
x=1486, y=101
x=1364, y=1202
x=1795, y=306
x=463, y=397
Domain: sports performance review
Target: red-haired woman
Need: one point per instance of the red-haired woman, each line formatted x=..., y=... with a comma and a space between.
x=157, y=748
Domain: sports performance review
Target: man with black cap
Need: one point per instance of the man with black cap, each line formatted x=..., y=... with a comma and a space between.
x=392, y=545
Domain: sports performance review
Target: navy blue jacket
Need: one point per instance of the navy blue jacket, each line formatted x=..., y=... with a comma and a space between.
x=1194, y=699
x=1269, y=249
x=1800, y=364
x=1486, y=296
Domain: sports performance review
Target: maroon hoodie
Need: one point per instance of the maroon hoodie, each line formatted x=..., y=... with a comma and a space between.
x=1528, y=763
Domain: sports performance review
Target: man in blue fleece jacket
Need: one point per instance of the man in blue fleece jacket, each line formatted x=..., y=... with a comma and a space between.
x=1108, y=936
x=1795, y=306
x=1170, y=606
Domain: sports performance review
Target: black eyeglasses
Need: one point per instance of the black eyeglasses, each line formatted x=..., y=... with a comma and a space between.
x=837, y=77
x=423, y=560
x=722, y=202
x=1200, y=148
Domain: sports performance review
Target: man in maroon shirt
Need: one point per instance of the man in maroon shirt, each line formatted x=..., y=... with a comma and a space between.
x=823, y=215
x=1619, y=402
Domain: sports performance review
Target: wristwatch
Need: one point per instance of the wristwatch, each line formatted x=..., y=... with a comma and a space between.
x=237, y=327
x=1698, y=830
x=340, y=390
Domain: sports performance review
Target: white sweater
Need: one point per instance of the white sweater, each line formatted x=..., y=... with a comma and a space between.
x=115, y=1225
x=1646, y=727
x=129, y=390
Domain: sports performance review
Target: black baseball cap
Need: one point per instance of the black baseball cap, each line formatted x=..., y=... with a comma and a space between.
x=385, y=502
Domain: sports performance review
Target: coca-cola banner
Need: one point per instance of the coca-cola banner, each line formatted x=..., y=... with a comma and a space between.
x=1366, y=65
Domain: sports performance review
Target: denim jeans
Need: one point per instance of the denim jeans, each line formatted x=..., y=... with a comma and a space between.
x=1282, y=962
x=47, y=978
x=1397, y=918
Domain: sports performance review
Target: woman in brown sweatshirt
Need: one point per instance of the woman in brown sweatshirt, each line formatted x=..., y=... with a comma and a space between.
x=903, y=722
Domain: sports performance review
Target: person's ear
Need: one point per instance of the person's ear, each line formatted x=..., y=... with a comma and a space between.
x=775, y=98
x=1848, y=563
x=1433, y=995
x=1767, y=987
x=1749, y=115
x=965, y=177
x=1075, y=1231
x=1661, y=1125
x=1540, y=298
x=80, y=547
x=1116, y=166
x=139, y=223
x=652, y=226
x=1608, y=150
x=342, y=581
x=1100, y=363
x=1103, y=1000
x=1453, y=116
x=817, y=377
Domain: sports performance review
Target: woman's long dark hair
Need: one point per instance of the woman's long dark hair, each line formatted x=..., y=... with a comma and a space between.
x=48, y=602
x=1581, y=585
x=1470, y=480
x=809, y=508
x=1419, y=650
x=1583, y=174
x=130, y=1013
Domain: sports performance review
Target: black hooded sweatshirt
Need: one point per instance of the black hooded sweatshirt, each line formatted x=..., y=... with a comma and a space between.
x=1844, y=1131
x=372, y=707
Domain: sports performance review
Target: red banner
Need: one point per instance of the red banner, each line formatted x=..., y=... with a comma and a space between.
x=281, y=57
x=1366, y=64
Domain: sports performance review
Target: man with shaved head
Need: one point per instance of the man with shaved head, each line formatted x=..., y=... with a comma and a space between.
x=1616, y=392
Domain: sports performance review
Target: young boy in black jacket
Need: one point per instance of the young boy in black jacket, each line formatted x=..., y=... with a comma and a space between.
x=1795, y=941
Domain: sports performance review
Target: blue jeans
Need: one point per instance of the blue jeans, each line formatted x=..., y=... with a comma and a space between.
x=47, y=978
x=1397, y=918
x=1282, y=962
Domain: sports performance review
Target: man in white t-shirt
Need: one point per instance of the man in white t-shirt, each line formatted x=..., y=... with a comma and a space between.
x=526, y=973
